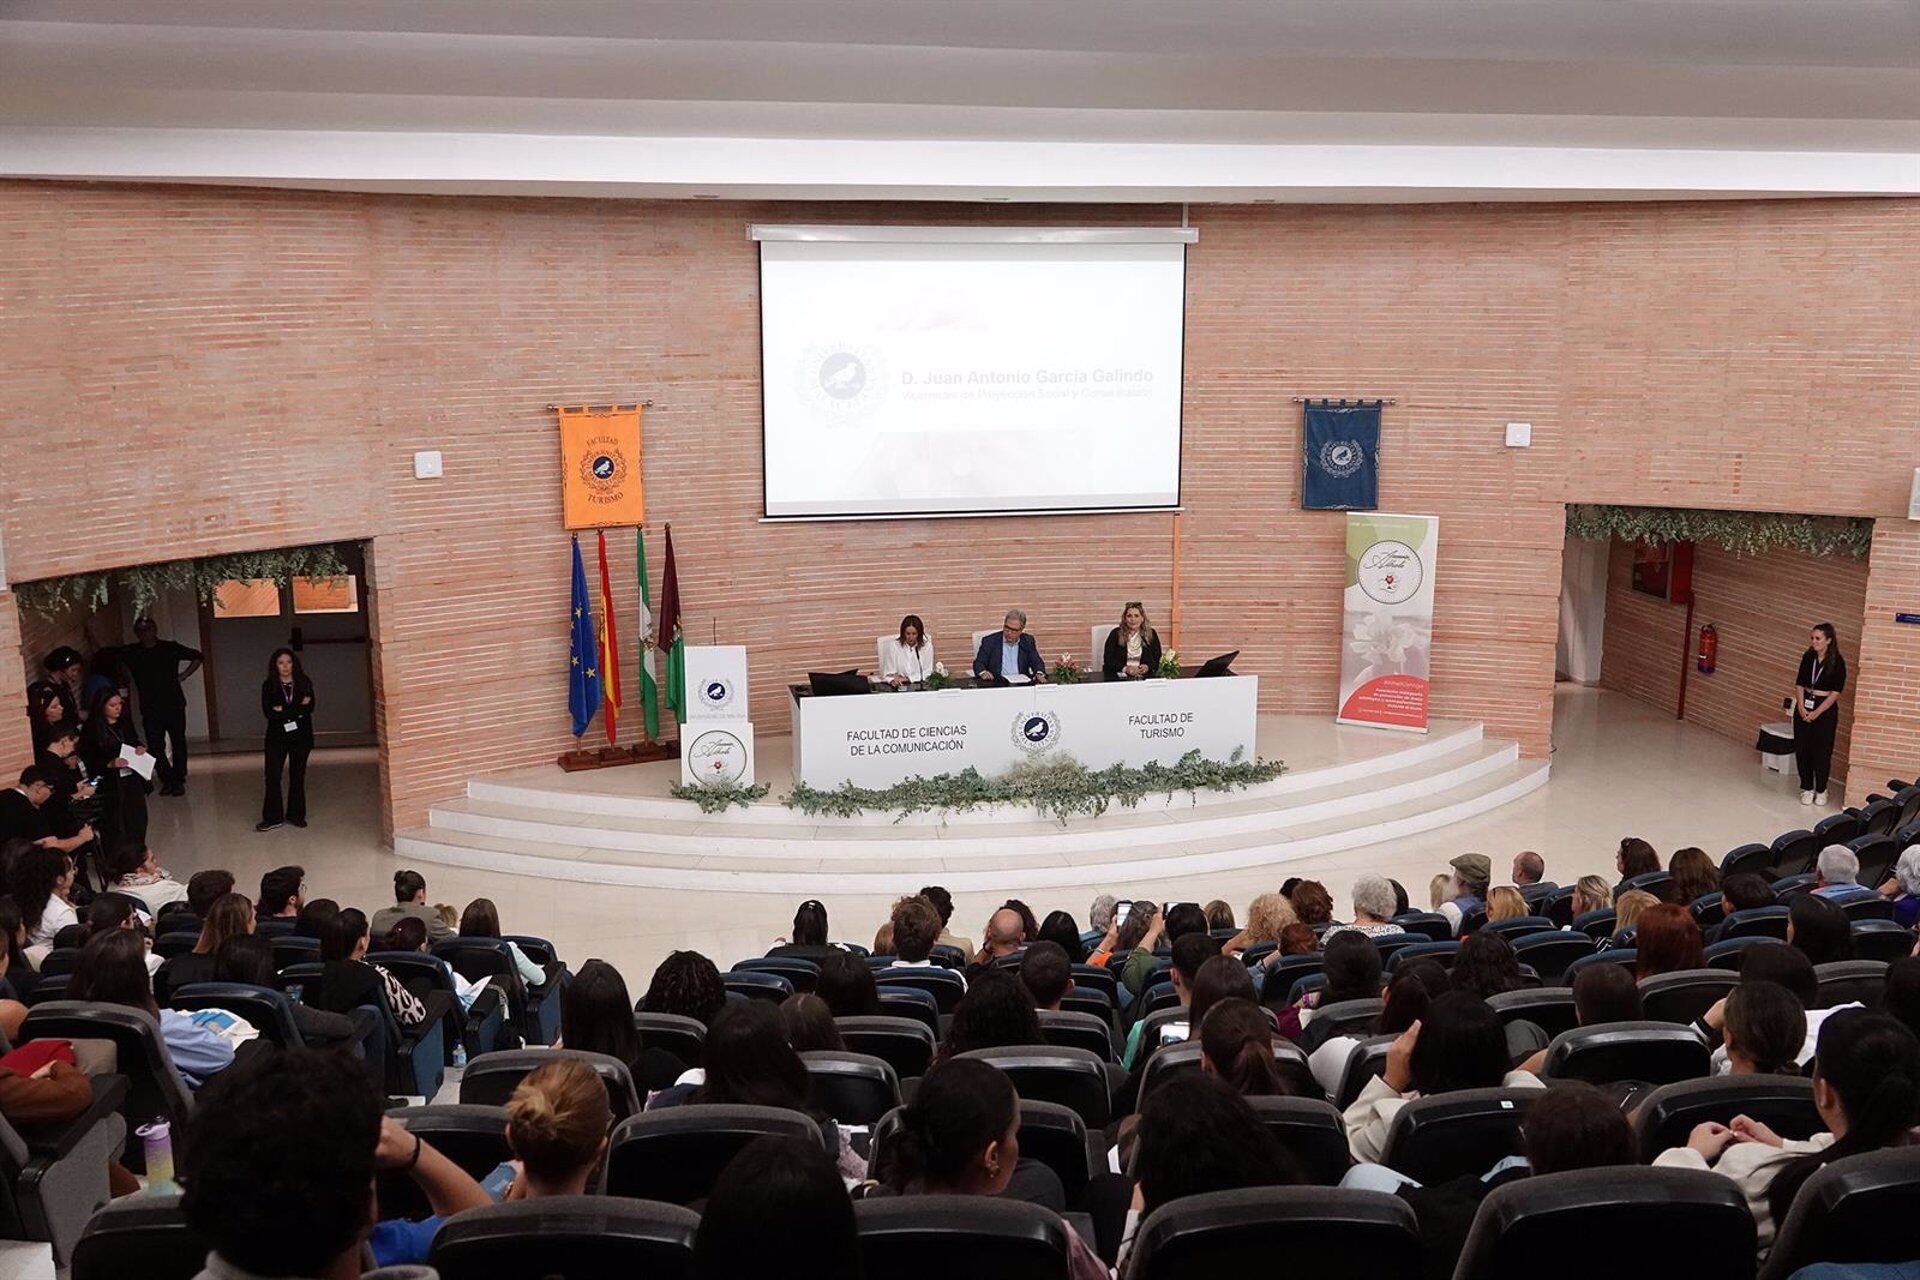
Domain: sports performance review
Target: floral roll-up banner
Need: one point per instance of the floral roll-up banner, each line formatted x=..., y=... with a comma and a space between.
x=1386, y=654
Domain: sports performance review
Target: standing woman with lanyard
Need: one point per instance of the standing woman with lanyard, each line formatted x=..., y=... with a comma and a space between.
x=1816, y=711
x=110, y=737
x=286, y=700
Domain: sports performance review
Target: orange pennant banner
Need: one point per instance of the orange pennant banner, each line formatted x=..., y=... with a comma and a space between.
x=600, y=472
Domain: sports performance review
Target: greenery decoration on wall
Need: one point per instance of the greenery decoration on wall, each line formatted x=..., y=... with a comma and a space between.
x=1059, y=788
x=139, y=586
x=717, y=799
x=1746, y=533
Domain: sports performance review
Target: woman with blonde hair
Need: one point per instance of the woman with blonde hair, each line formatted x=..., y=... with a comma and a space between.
x=1505, y=903
x=1440, y=891
x=230, y=916
x=1267, y=918
x=1591, y=893
x=1626, y=914
x=1133, y=647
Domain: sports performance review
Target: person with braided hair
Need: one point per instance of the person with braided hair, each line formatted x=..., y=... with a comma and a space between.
x=1765, y=1029
x=1866, y=1086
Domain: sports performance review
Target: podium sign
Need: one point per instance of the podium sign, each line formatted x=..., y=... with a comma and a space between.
x=1386, y=650
x=716, y=682
x=716, y=742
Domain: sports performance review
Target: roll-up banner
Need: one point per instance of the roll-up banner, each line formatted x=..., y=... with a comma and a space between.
x=1386, y=651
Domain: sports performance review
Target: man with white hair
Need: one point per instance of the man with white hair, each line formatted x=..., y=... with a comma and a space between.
x=1101, y=913
x=1009, y=653
x=1839, y=869
x=1373, y=906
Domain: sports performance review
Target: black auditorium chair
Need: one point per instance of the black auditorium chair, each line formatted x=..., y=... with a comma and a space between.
x=910, y=1002
x=757, y=986
x=1874, y=908
x=1556, y=906
x=903, y=1043
x=1748, y=859
x=1317, y=1230
x=155, y=1089
x=961, y=1238
x=1859, y=1209
x=676, y=1154
x=1050, y=1073
x=1849, y=981
x=144, y=1236
x=1390, y=944
x=533, y=1011
x=1625, y=957
x=1312, y=1130
x=1709, y=909
x=1838, y=828
x=53, y=1176
x=1613, y=1052
x=290, y=950
x=1731, y=953
x=1549, y=1008
x=491, y=1078
x=569, y=1237
x=683, y=1037
x=1365, y=1061
x=1794, y=852
x=1442, y=953
x=1551, y=953
x=1049, y=1133
x=60, y=960
x=1431, y=924
x=473, y=1137
x=1881, y=817
x=1178, y=1059
x=803, y=975
x=1535, y=894
x=853, y=1088
x=1449, y=1135
x=1881, y=940
x=1092, y=977
x=1080, y=1030
x=1597, y=924
x=1685, y=994
x=169, y=945
x=1877, y=855
x=270, y=1012
x=1665, y=1117
x=1350, y=1017
x=1091, y=1001
x=944, y=985
x=1695, y=1221
x=1657, y=883
x=1517, y=927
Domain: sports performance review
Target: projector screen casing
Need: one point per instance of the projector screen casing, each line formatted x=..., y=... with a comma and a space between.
x=911, y=372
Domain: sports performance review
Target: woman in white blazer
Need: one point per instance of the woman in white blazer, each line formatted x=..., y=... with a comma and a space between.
x=908, y=657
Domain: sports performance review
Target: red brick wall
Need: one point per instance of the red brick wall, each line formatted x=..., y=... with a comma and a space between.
x=1886, y=735
x=202, y=370
x=1762, y=607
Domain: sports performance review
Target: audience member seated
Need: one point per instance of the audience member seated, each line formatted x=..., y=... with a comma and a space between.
x=347, y=980
x=1485, y=966
x=846, y=984
x=1047, y=974
x=481, y=919
x=1765, y=1030
x=1602, y=993
x=1004, y=935
x=1819, y=929
x=686, y=983
x=1530, y=869
x=1220, y=915
x=1189, y=953
x=133, y=871
x=960, y=1136
x=1403, y=1003
x=1267, y=918
x=1373, y=910
x=1505, y=903
x=248, y=958
x=778, y=1189
x=1591, y=893
x=1177, y=922
x=1467, y=893
x=916, y=931
x=479, y=998
x=1459, y=1044
x=1694, y=875
x=1635, y=857
x=1353, y=973
x=1900, y=998
x=557, y=1122
x=112, y=969
x=1838, y=869
x=1785, y=967
x=1745, y=891
x=66, y=774
x=596, y=1016
x=1236, y=1044
x=18, y=980
x=26, y=812
x=1866, y=1087
x=410, y=899
x=313, y=918
x=883, y=940
x=1903, y=887
x=1312, y=903
x=111, y=911
x=230, y=916
x=41, y=880
x=1440, y=889
x=809, y=1024
x=943, y=903
x=1197, y=1135
x=996, y=1011
x=281, y=891
x=1063, y=930
x=1627, y=909
x=809, y=934
x=1125, y=934
x=1666, y=940
x=1029, y=923
x=204, y=888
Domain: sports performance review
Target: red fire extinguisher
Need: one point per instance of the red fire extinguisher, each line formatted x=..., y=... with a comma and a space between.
x=1709, y=649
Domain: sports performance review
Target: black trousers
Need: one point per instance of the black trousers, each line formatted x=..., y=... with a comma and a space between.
x=123, y=810
x=1813, y=748
x=289, y=753
x=167, y=739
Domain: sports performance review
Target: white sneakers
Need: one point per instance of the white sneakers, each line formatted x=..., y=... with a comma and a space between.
x=1821, y=799
x=1806, y=797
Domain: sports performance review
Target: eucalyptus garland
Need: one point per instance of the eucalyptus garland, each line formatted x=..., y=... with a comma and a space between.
x=718, y=799
x=1745, y=533
x=1060, y=788
x=141, y=585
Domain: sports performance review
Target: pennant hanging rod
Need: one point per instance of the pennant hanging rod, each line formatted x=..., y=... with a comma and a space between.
x=1342, y=399
x=589, y=408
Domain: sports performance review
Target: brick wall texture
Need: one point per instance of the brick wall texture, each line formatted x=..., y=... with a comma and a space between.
x=195, y=370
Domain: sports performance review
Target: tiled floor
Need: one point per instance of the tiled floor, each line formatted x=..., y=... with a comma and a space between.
x=1619, y=768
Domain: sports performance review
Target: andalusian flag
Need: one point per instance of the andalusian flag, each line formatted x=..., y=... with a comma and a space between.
x=649, y=681
x=676, y=647
x=609, y=651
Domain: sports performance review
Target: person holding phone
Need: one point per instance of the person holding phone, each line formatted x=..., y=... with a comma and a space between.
x=286, y=700
x=1817, y=686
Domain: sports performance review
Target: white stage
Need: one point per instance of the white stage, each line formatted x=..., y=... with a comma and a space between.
x=1344, y=788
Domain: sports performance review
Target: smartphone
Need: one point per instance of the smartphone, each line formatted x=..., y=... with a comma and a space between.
x=1121, y=910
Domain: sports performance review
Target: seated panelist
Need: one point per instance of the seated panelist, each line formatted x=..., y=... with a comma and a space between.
x=908, y=658
x=1008, y=652
x=1133, y=647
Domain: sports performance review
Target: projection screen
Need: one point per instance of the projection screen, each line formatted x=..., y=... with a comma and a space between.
x=970, y=371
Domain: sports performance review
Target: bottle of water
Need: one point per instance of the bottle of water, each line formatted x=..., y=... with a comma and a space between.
x=157, y=1140
x=460, y=1054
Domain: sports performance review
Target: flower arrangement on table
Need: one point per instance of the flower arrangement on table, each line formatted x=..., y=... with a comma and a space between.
x=1066, y=670
x=939, y=678
x=1169, y=668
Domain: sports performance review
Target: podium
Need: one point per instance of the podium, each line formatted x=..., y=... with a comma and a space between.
x=716, y=742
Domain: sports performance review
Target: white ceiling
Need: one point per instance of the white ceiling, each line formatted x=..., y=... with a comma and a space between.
x=971, y=99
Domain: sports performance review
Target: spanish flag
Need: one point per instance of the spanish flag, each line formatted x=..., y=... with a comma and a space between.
x=609, y=650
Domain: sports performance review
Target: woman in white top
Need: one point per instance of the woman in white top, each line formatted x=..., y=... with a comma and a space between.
x=42, y=884
x=908, y=658
x=135, y=873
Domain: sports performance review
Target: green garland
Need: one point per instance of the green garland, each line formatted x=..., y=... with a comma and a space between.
x=142, y=584
x=1060, y=789
x=1746, y=533
x=717, y=799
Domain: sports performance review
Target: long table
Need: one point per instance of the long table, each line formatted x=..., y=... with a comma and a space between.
x=887, y=737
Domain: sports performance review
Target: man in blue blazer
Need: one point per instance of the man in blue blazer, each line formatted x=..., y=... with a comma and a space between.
x=1007, y=652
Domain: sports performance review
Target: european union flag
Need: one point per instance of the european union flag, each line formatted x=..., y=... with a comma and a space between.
x=1342, y=446
x=583, y=666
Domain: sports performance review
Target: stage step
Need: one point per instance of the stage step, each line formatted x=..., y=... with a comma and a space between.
x=805, y=857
